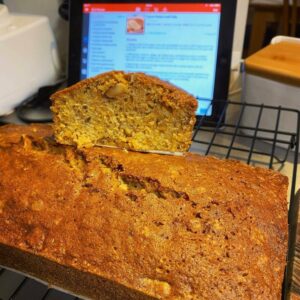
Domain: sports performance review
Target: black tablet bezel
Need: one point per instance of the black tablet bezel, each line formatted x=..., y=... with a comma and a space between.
x=223, y=56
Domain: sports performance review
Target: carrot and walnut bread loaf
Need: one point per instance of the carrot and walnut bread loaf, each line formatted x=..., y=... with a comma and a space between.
x=111, y=224
x=128, y=110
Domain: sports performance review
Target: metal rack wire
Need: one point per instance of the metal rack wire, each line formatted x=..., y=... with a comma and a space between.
x=256, y=134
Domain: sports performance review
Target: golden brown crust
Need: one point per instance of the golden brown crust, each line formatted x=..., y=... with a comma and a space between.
x=188, y=227
x=73, y=280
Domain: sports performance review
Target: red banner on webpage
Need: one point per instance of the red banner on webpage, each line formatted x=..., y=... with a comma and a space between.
x=155, y=7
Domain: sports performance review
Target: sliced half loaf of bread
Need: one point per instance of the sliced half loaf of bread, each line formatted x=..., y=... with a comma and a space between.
x=128, y=110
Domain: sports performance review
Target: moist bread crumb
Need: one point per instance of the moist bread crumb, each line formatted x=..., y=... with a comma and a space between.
x=110, y=224
x=128, y=110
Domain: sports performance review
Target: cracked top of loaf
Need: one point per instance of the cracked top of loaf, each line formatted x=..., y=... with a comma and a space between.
x=189, y=227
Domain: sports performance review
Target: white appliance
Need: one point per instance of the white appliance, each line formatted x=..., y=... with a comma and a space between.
x=28, y=57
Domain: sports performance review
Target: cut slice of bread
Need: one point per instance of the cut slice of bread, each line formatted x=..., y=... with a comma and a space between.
x=127, y=110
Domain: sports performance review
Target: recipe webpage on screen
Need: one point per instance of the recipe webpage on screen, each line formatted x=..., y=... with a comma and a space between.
x=176, y=42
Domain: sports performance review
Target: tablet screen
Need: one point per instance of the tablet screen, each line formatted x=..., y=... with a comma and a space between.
x=177, y=42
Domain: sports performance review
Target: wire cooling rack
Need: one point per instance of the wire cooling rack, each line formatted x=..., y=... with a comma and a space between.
x=257, y=134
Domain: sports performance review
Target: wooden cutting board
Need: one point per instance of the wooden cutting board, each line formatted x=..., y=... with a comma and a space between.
x=280, y=62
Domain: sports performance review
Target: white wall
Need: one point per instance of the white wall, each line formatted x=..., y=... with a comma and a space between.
x=239, y=31
x=235, y=87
